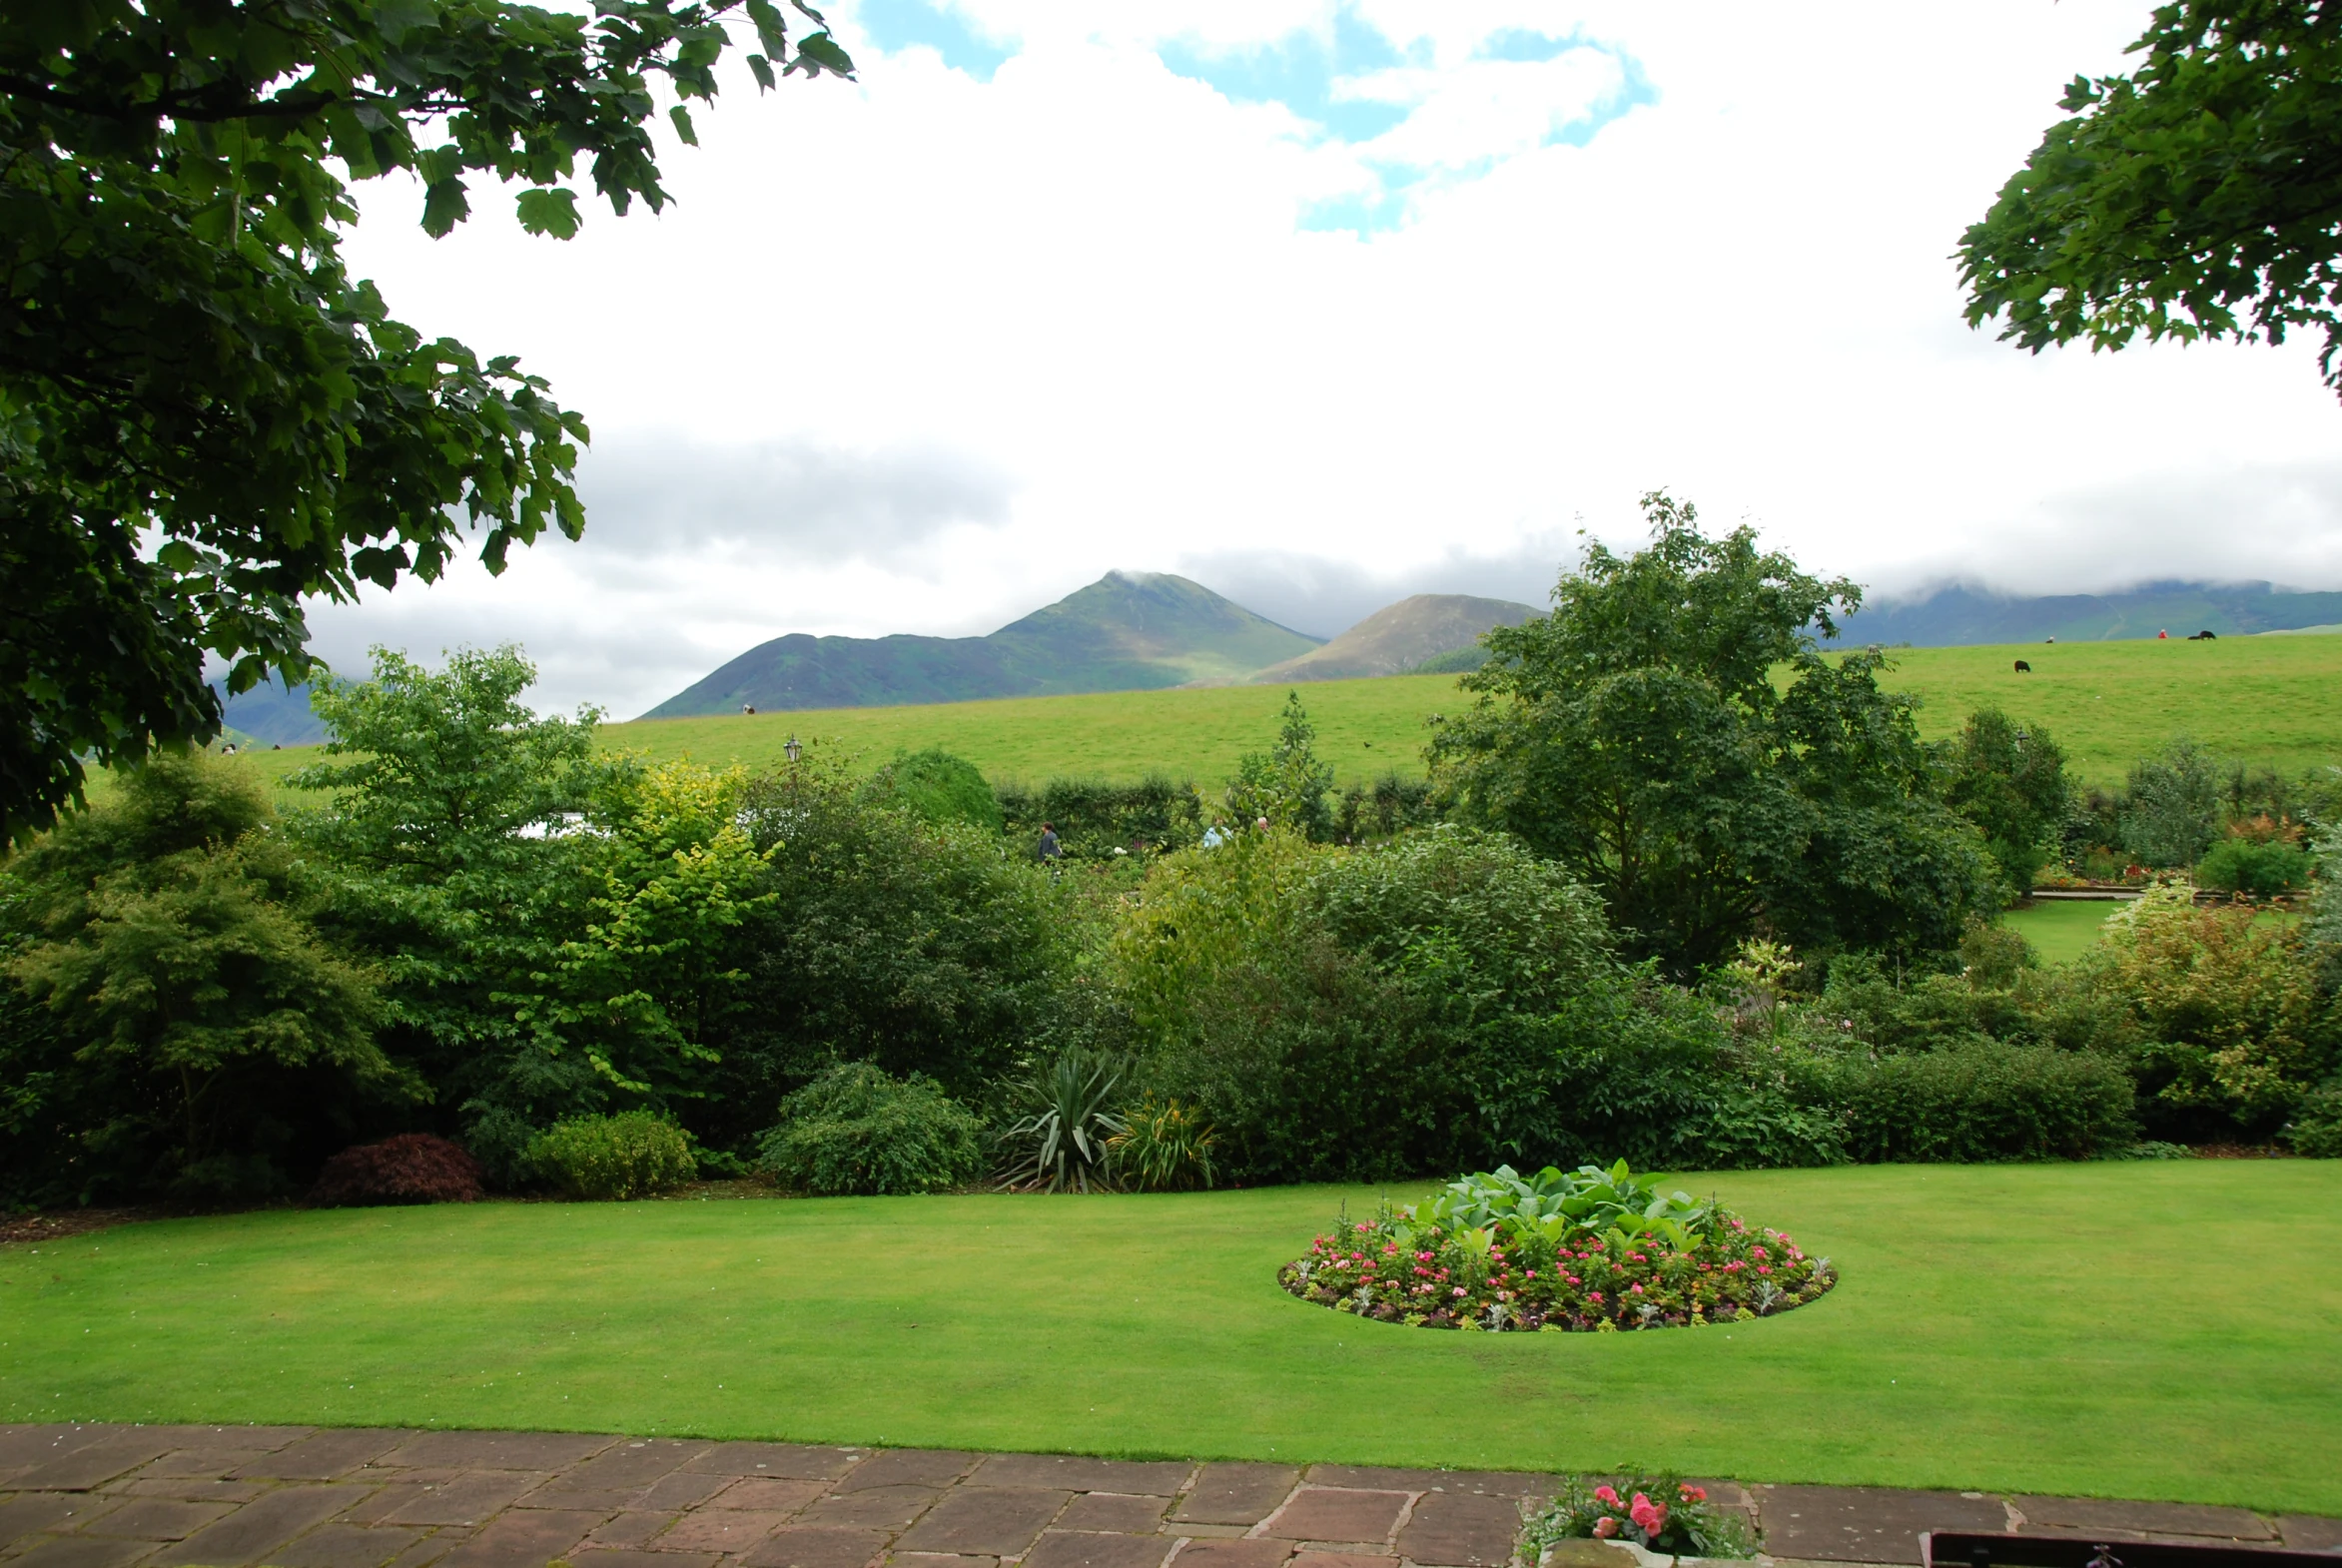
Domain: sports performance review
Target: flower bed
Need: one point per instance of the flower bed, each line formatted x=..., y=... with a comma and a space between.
x=1589, y=1249
x=1660, y=1513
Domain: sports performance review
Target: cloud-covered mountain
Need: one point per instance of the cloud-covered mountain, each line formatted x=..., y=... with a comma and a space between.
x=1402, y=636
x=1962, y=615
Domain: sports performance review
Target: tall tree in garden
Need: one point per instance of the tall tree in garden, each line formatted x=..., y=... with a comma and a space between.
x=1639, y=734
x=203, y=416
x=2201, y=196
x=2009, y=780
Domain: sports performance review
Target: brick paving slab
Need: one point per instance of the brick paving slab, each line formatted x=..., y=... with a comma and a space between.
x=1072, y=1474
x=523, y=1538
x=628, y=1530
x=157, y=1519
x=1376, y=1478
x=498, y=1450
x=909, y=1467
x=1461, y=1530
x=207, y=1464
x=83, y=1551
x=872, y=1508
x=733, y=1530
x=1094, y=1549
x=189, y=1491
x=344, y=1546
x=85, y=1465
x=2091, y=1513
x=627, y=1466
x=1325, y=1513
x=2307, y=1534
x=1232, y=1554
x=758, y=1491
x=1862, y=1523
x=262, y=1526
x=1116, y=1512
x=468, y=1499
x=1236, y=1493
x=782, y=1460
x=1342, y=1560
x=816, y=1546
x=596, y=1557
x=999, y=1521
x=35, y=1511
x=21, y=1446
x=324, y=1457
x=939, y=1560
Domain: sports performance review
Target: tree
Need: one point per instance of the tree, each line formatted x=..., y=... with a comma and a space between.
x=2011, y=782
x=1637, y=735
x=2198, y=196
x=1287, y=784
x=195, y=1026
x=2171, y=805
x=203, y=416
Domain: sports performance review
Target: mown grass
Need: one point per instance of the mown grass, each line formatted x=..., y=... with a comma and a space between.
x=2153, y=1330
x=2266, y=701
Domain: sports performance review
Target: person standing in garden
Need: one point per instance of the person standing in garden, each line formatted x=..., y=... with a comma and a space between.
x=1049, y=850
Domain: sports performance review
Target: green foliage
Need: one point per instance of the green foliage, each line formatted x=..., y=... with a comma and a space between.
x=1974, y=1100
x=855, y=1129
x=2171, y=809
x=248, y=407
x=634, y=1153
x=1533, y=1267
x=1661, y=1513
x=1059, y=1142
x=2192, y=198
x=1164, y=1146
x=1287, y=785
x=2262, y=869
x=2009, y=780
x=178, y=1023
x=2315, y=1129
x=936, y=786
x=1095, y=818
x=1638, y=736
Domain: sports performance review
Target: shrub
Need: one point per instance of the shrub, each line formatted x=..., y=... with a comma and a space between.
x=412, y=1168
x=1500, y=1251
x=1661, y=1513
x=2172, y=809
x=1164, y=1146
x=1061, y=1141
x=631, y=1155
x=2316, y=1128
x=2261, y=870
x=1983, y=1100
x=936, y=786
x=854, y=1129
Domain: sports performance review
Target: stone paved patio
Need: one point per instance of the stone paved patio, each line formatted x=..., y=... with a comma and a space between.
x=300, y=1497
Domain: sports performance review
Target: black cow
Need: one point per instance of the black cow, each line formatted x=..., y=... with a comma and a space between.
x=2205, y=636
x=2023, y=668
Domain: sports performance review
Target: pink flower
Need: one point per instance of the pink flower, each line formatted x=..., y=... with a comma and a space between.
x=1594, y=1297
x=1695, y=1494
x=1638, y=1289
x=1764, y=1268
x=1458, y=1291
x=1606, y=1494
x=1605, y=1527
x=1649, y=1517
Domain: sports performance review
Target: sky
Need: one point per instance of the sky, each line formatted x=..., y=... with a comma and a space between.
x=1322, y=302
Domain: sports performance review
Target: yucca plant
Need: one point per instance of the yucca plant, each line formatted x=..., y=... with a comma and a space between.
x=1059, y=1143
x=1164, y=1146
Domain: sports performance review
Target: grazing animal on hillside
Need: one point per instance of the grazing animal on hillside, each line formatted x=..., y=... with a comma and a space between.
x=2023, y=668
x=2204, y=636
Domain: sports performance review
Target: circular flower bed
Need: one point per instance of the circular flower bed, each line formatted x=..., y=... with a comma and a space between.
x=1587, y=1249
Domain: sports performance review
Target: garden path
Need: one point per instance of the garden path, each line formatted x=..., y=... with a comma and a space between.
x=96, y=1496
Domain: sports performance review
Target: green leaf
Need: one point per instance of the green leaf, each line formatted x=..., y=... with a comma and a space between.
x=682, y=118
x=444, y=207
x=818, y=53
x=552, y=209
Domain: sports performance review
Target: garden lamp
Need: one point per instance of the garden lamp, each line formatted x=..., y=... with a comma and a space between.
x=793, y=749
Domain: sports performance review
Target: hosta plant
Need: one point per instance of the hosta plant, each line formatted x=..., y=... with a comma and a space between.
x=1662, y=1513
x=1633, y=1260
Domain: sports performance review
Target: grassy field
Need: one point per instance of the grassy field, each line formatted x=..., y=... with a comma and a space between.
x=2062, y=930
x=2274, y=702
x=2153, y=1330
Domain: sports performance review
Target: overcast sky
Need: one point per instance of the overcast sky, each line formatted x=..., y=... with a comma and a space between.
x=1323, y=304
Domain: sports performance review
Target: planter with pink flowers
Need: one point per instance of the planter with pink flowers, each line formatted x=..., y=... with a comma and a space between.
x=1660, y=1514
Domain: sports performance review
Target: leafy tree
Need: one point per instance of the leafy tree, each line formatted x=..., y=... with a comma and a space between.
x=1287, y=784
x=198, y=1029
x=203, y=416
x=2201, y=196
x=2171, y=807
x=1638, y=735
x=2011, y=782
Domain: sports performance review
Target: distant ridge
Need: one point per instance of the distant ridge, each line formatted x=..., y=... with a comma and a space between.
x=1127, y=631
x=1403, y=636
x=271, y=713
x=1962, y=615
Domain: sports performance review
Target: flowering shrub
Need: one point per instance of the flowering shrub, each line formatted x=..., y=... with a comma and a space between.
x=1665, y=1263
x=1659, y=1512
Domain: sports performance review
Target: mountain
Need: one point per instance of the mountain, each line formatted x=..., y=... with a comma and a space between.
x=1127, y=631
x=272, y=715
x=1962, y=615
x=1402, y=636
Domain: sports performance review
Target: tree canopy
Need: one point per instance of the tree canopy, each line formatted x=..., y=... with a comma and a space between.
x=203, y=415
x=2199, y=196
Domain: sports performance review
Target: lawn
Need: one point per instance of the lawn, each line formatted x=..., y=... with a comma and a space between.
x=2062, y=930
x=2269, y=701
x=2154, y=1330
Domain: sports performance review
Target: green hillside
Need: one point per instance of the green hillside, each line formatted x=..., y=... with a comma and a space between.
x=1402, y=636
x=1126, y=631
x=2273, y=701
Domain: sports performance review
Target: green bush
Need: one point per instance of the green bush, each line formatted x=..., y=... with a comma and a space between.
x=2263, y=870
x=1978, y=1100
x=936, y=786
x=1164, y=1146
x=631, y=1155
x=854, y=1129
x=2316, y=1128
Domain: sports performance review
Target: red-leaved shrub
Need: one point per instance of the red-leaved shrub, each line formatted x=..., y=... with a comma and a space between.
x=413, y=1167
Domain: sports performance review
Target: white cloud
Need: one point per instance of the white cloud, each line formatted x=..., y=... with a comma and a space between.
x=1091, y=276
